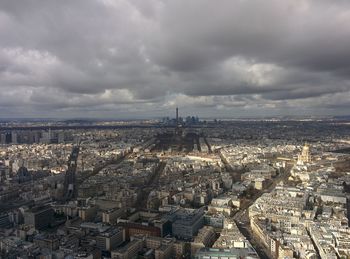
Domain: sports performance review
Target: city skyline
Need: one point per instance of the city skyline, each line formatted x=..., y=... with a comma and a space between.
x=176, y=189
x=184, y=129
x=142, y=59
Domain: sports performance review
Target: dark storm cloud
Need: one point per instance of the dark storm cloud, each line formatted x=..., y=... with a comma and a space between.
x=98, y=56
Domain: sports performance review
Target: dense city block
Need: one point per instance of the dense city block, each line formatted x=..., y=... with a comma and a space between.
x=175, y=188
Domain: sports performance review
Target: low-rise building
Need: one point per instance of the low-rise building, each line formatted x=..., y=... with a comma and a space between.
x=39, y=217
x=130, y=250
x=110, y=239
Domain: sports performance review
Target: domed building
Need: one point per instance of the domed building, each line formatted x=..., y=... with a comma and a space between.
x=305, y=156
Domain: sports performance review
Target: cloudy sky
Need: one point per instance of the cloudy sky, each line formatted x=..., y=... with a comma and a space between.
x=142, y=58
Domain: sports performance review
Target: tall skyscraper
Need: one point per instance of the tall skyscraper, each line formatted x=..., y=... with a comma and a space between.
x=3, y=138
x=177, y=116
x=14, y=137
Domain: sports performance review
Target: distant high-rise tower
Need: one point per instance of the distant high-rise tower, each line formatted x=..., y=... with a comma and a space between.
x=178, y=131
x=14, y=138
x=177, y=116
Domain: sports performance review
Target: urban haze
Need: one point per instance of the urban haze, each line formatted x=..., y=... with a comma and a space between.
x=161, y=129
